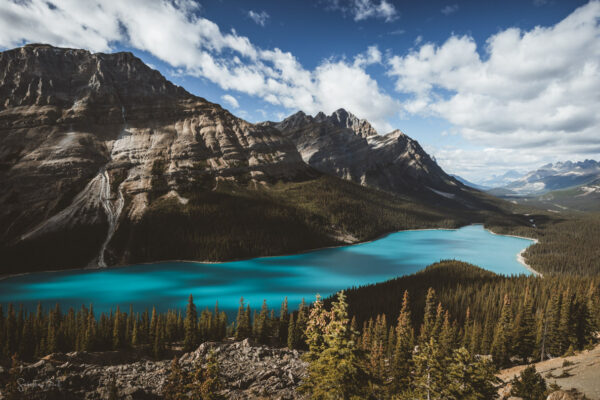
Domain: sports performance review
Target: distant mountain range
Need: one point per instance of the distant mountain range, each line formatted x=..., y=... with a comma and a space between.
x=550, y=177
x=496, y=181
x=103, y=161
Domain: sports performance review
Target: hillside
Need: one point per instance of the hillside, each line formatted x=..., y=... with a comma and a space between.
x=581, y=198
x=577, y=373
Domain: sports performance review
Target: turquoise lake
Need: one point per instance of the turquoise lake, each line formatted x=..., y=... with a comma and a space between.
x=168, y=285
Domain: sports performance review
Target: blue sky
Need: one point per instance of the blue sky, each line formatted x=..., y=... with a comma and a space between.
x=484, y=86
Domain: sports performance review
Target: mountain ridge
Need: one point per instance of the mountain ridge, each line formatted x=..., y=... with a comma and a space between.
x=99, y=150
x=555, y=176
x=393, y=162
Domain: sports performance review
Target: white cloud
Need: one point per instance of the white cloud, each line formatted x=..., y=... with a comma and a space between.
x=232, y=101
x=371, y=56
x=196, y=46
x=537, y=89
x=259, y=17
x=449, y=9
x=365, y=9
x=477, y=165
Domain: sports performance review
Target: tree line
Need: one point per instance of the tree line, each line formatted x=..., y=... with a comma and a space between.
x=414, y=336
x=520, y=318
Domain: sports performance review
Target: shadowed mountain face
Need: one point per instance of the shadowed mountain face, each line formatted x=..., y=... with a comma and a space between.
x=344, y=146
x=89, y=139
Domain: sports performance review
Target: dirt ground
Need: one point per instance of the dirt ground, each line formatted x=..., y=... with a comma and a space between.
x=581, y=371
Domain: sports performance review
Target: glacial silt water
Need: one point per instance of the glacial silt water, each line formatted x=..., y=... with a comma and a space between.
x=168, y=284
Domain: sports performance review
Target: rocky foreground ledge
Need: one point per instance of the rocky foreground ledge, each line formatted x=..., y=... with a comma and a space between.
x=247, y=372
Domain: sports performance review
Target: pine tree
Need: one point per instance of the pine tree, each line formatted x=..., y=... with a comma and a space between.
x=429, y=317
x=152, y=327
x=447, y=336
x=262, y=324
x=129, y=327
x=27, y=342
x=501, y=345
x=117, y=335
x=401, y=362
x=135, y=334
x=12, y=390
x=52, y=335
x=176, y=383
x=487, y=335
x=291, y=340
x=243, y=329
x=475, y=343
x=211, y=384
x=338, y=372
x=315, y=330
x=190, y=340
x=439, y=322
x=377, y=362
x=158, y=349
x=284, y=321
x=429, y=375
x=90, y=331
x=566, y=323
x=529, y=385
x=467, y=330
x=553, y=338
x=524, y=343
x=470, y=379
x=297, y=334
x=10, y=326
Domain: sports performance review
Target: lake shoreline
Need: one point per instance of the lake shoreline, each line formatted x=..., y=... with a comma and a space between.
x=519, y=256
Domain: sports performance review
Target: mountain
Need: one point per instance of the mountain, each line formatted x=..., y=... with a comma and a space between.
x=579, y=198
x=468, y=183
x=496, y=181
x=557, y=176
x=104, y=162
x=342, y=145
x=343, y=119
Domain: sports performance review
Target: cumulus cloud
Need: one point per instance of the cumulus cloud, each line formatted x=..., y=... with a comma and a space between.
x=232, y=101
x=259, y=17
x=364, y=9
x=537, y=89
x=477, y=165
x=449, y=9
x=371, y=56
x=196, y=46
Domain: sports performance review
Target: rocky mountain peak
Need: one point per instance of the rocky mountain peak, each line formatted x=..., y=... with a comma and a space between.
x=344, y=119
x=43, y=75
x=295, y=121
x=343, y=145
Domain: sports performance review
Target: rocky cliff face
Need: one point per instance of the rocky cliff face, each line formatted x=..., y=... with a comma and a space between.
x=343, y=119
x=88, y=140
x=343, y=145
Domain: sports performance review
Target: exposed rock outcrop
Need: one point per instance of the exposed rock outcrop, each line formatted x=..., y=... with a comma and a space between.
x=246, y=371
